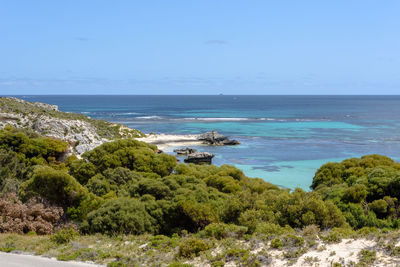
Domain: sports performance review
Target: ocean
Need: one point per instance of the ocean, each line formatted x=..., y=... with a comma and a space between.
x=284, y=139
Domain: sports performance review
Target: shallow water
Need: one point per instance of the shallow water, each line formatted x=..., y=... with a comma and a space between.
x=284, y=138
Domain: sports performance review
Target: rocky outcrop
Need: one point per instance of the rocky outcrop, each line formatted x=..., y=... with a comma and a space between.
x=82, y=133
x=199, y=158
x=185, y=151
x=214, y=138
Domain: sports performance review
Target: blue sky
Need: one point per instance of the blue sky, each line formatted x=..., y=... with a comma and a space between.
x=200, y=47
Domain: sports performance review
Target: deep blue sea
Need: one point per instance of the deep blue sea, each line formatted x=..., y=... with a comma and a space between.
x=284, y=139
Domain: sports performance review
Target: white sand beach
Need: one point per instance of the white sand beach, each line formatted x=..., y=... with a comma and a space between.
x=167, y=142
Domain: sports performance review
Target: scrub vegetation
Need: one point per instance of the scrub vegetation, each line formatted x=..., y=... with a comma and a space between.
x=131, y=198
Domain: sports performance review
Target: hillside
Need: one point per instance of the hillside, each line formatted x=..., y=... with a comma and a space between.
x=80, y=132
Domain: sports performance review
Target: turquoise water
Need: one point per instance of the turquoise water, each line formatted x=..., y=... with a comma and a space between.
x=293, y=173
x=271, y=129
x=284, y=139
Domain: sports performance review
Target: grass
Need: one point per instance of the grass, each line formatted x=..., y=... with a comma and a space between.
x=194, y=249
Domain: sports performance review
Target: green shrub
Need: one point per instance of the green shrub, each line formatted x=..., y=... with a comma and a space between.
x=98, y=185
x=294, y=253
x=8, y=247
x=366, y=257
x=120, y=216
x=394, y=250
x=159, y=241
x=224, y=184
x=241, y=255
x=300, y=208
x=116, y=264
x=310, y=230
x=251, y=218
x=328, y=174
x=131, y=154
x=121, y=175
x=222, y=230
x=356, y=193
x=64, y=236
x=152, y=187
x=293, y=241
x=30, y=146
x=13, y=171
x=276, y=243
x=271, y=229
x=198, y=215
x=89, y=203
x=380, y=207
x=368, y=231
x=163, y=164
x=56, y=186
x=82, y=170
x=352, y=183
x=217, y=264
x=68, y=256
x=336, y=235
x=191, y=247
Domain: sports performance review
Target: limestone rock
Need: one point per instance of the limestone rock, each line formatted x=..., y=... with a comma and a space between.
x=185, y=151
x=78, y=131
x=199, y=158
x=214, y=138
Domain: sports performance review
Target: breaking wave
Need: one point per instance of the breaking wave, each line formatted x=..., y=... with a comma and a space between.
x=224, y=119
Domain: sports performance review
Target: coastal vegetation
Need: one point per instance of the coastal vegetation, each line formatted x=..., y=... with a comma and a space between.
x=127, y=195
x=126, y=187
x=366, y=190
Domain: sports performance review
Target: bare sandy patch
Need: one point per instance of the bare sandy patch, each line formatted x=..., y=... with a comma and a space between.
x=167, y=142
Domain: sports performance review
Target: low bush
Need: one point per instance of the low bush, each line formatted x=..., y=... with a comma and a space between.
x=8, y=247
x=222, y=230
x=120, y=216
x=98, y=185
x=34, y=216
x=197, y=215
x=310, y=230
x=271, y=229
x=276, y=243
x=191, y=247
x=56, y=186
x=64, y=236
x=82, y=170
x=31, y=146
x=337, y=234
x=251, y=218
x=366, y=257
x=293, y=241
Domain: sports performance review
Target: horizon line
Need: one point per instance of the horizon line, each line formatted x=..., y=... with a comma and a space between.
x=19, y=95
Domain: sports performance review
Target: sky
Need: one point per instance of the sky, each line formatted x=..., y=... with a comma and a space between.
x=199, y=47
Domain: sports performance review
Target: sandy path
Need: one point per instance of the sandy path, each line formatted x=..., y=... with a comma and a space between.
x=18, y=260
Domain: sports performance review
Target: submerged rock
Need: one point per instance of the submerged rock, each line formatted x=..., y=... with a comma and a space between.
x=185, y=151
x=199, y=158
x=215, y=138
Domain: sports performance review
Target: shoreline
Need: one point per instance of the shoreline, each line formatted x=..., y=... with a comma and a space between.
x=167, y=142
